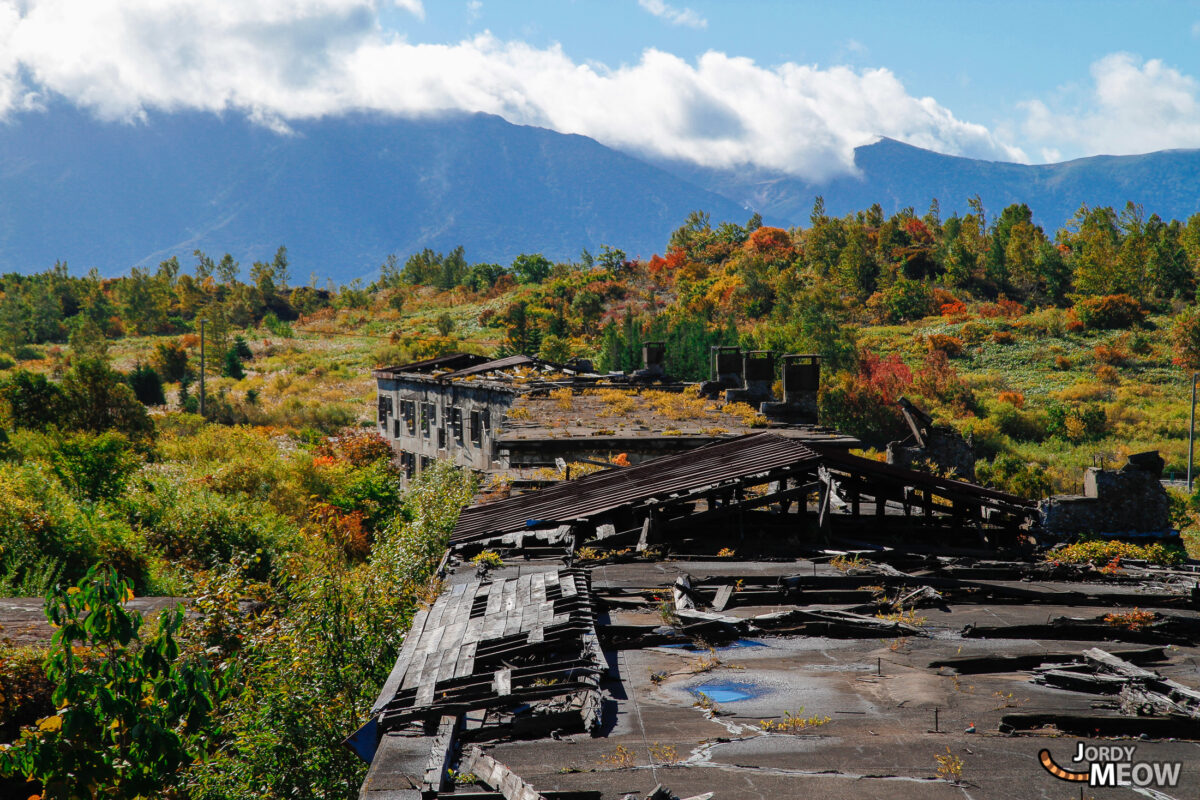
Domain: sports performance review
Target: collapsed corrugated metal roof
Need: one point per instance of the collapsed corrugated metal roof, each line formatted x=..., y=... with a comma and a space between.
x=491, y=366
x=725, y=461
x=610, y=489
x=452, y=361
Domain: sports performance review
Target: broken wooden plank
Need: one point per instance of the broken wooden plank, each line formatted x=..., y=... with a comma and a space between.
x=1081, y=682
x=647, y=536
x=498, y=776
x=682, y=591
x=721, y=600
x=1117, y=666
x=441, y=746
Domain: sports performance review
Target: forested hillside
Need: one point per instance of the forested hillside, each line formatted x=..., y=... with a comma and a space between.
x=283, y=515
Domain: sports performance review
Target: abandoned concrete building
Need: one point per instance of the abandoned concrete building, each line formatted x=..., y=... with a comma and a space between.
x=520, y=413
x=770, y=616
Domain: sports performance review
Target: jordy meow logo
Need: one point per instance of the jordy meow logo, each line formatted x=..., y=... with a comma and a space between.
x=1112, y=765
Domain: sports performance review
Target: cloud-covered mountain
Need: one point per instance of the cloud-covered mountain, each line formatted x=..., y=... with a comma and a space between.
x=341, y=193
x=897, y=175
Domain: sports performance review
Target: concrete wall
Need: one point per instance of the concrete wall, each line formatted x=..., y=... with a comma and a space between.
x=1128, y=500
x=421, y=421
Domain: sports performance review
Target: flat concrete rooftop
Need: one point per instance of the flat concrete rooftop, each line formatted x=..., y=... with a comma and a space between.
x=890, y=713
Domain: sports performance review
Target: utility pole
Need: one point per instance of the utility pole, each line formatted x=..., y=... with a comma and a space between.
x=202, y=376
x=1192, y=431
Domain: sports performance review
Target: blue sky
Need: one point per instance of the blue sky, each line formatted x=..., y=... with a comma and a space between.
x=791, y=86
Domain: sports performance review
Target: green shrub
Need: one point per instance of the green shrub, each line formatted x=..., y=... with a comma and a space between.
x=277, y=326
x=1023, y=426
x=199, y=528
x=95, y=467
x=97, y=399
x=231, y=366
x=1110, y=312
x=311, y=676
x=171, y=360
x=41, y=524
x=1080, y=423
x=147, y=386
x=24, y=689
x=31, y=401
x=904, y=300
x=1102, y=552
x=1009, y=473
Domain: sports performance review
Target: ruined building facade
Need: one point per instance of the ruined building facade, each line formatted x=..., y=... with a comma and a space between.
x=522, y=413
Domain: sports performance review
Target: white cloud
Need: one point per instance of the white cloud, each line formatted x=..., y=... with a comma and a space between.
x=414, y=7
x=1132, y=106
x=280, y=61
x=675, y=16
x=856, y=47
x=474, y=10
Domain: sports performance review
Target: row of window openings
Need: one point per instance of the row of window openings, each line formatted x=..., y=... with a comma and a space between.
x=408, y=463
x=479, y=421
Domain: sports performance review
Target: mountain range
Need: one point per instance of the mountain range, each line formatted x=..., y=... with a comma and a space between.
x=342, y=193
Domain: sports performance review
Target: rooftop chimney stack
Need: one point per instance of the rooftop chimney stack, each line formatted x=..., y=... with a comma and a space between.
x=801, y=382
x=727, y=366
x=725, y=371
x=654, y=359
x=758, y=373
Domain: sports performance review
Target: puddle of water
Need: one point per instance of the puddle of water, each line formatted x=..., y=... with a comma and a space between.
x=734, y=645
x=726, y=691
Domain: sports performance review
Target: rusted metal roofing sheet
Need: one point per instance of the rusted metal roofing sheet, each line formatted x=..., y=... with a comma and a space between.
x=611, y=489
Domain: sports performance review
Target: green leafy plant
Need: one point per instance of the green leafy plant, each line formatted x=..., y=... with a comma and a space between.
x=132, y=709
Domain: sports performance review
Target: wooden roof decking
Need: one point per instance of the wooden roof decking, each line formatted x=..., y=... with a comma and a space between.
x=491, y=644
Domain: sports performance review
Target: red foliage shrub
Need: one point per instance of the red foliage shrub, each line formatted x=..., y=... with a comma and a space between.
x=954, y=310
x=774, y=244
x=504, y=284
x=1015, y=399
x=941, y=297
x=940, y=382
x=344, y=530
x=890, y=376
x=1003, y=337
x=1111, y=353
x=950, y=345
x=356, y=447
x=1010, y=308
x=917, y=229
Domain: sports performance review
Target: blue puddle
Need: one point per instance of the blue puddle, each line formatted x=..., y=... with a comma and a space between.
x=726, y=691
x=734, y=645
